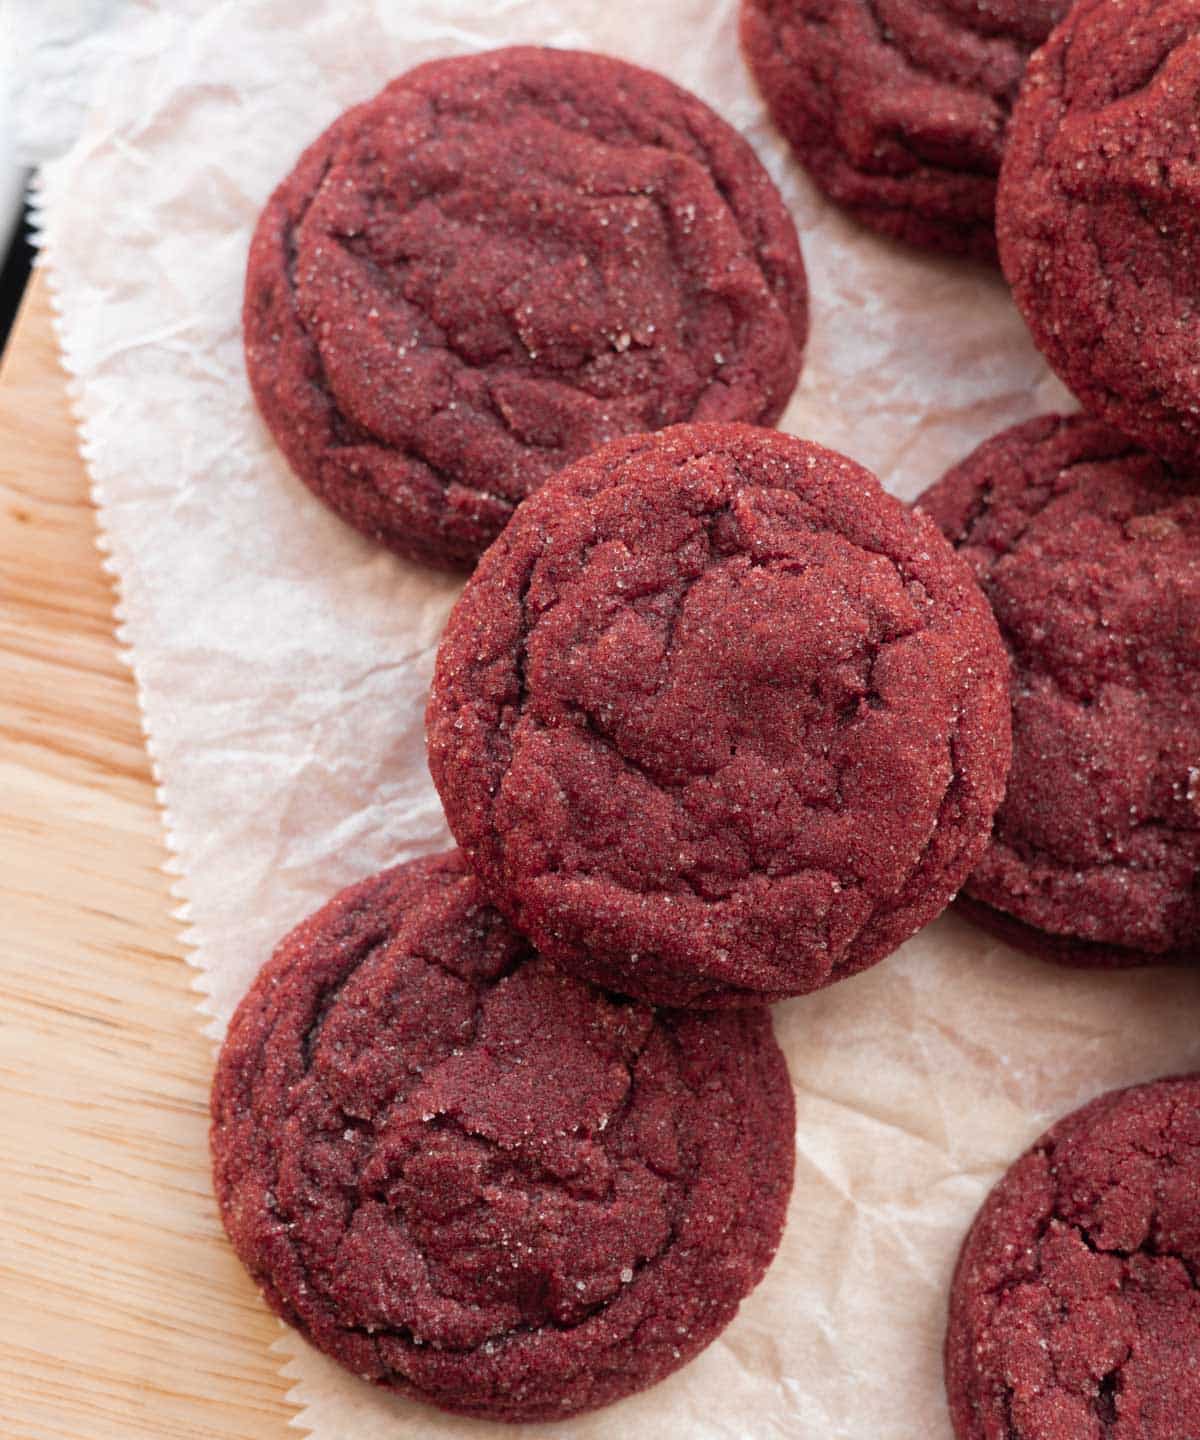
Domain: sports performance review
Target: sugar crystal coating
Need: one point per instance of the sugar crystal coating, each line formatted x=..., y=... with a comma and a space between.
x=717, y=720
x=478, y=1181
x=1089, y=550
x=500, y=262
x=1098, y=215
x=1074, y=1311
x=899, y=108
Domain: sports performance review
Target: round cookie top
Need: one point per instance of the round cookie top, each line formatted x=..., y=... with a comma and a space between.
x=899, y=107
x=717, y=720
x=1089, y=550
x=499, y=263
x=1098, y=216
x=475, y=1180
x=1074, y=1310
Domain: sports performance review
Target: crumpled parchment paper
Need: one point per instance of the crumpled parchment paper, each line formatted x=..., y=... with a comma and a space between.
x=283, y=665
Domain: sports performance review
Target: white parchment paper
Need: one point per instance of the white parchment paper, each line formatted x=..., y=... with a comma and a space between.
x=283, y=664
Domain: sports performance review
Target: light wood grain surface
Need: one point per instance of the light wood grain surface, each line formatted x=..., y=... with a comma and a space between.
x=122, y=1311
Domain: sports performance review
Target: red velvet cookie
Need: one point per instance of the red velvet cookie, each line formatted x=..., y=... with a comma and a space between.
x=899, y=108
x=479, y=1182
x=1074, y=1312
x=499, y=263
x=717, y=720
x=1098, y=215
x=1089, y=550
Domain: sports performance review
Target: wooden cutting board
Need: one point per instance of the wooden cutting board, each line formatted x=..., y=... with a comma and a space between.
x=122, y=1311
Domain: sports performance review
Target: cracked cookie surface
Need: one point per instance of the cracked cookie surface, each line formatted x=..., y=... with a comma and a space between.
x=899, y=108
x=1089, y=550
x=717, y=720
x=483, y=1183
x=1074, y=1310
x=1098, y=215
x=499, y=263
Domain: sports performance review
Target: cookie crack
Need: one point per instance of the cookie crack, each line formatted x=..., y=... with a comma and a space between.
x=888, y=39
x=503, y=747
x=345, y=433
x=407, y=1336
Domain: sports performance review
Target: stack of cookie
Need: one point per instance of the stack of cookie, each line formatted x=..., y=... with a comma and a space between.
x=451, y=1160
x=716, y=721
x=1074, y=1310
x=1087, y=545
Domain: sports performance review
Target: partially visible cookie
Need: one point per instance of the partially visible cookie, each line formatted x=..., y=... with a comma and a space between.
x=1098, y=215
x=479, y=1182
x=717, y=720
x=499, y=263
x=1089, y=550
x=1063, y=949
x=1075, y=1309
x=899, y=108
